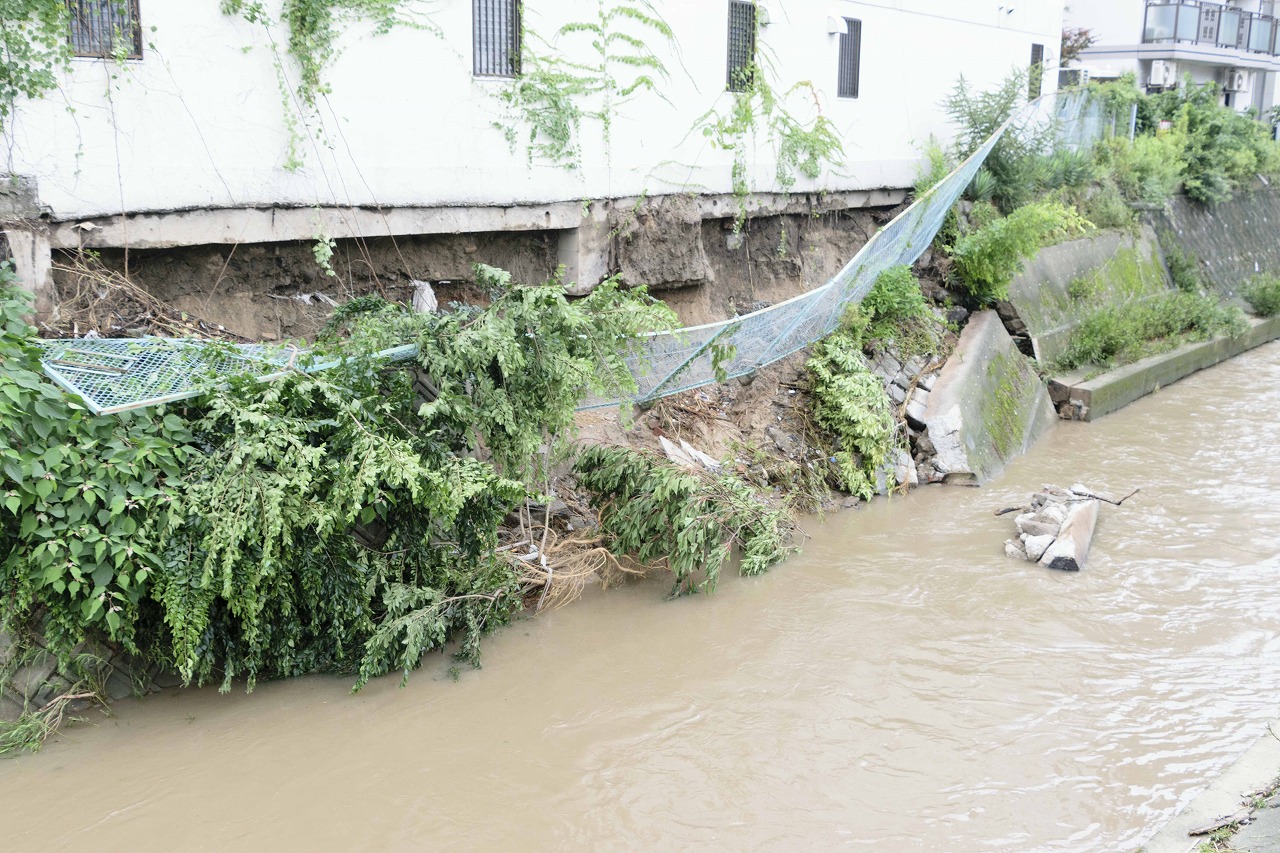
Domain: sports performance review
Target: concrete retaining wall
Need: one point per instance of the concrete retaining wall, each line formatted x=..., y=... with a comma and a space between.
x=1087, y=399
x=987, y=406
x=30, y=677
x=1233, y=240
x=1064, y=283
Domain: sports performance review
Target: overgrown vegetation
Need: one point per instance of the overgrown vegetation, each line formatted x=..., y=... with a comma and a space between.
x=688, y=521
x=1262, y=292
x=345, y=520
x=1186, y=135
x=988, y=258
x=1126, y=332
x=850, y=403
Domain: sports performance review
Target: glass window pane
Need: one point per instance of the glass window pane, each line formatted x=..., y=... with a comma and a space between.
x=1189, y=22
x=1160, y=21
x=1260, y=35
x=1229, y=34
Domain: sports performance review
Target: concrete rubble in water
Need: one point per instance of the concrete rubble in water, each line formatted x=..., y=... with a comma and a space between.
x=1057, y=530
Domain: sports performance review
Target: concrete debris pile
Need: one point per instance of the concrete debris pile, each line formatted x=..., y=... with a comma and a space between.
x=1057, y=529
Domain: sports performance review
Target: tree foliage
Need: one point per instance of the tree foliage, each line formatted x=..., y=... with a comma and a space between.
x=687, y=520
x=339, y=520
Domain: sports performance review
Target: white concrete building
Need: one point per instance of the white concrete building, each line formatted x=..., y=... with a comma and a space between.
x=186, y=141
x=1165, y=42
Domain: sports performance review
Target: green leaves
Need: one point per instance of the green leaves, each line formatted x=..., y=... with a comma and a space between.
x=988, y=258
x=850, y=402
x=688, y=521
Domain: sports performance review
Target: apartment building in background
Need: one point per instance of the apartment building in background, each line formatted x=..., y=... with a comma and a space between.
x=1166, y=42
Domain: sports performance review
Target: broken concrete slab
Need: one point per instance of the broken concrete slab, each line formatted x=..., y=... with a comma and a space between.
x=987, y=406
x=1070, y=550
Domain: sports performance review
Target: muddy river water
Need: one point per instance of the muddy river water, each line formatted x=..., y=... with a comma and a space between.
x=900, y=686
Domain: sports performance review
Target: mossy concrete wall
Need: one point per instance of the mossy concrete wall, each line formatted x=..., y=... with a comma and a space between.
x=1063, y=284
x=987, y=406
x=1233, y=240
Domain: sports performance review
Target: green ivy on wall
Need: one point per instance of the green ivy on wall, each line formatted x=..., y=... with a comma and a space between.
x=554, y=94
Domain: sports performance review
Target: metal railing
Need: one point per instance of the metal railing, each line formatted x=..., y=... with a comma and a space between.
x=1198, y=22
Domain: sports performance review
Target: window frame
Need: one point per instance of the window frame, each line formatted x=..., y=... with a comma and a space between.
x=738, y=76
x=1035, y=72
x=76, y=10
x=850, y=40
x=486, y=45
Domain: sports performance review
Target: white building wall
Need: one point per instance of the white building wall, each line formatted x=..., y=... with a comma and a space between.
x=198, y=121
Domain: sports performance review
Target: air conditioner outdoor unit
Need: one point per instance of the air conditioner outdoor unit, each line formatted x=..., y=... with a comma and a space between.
x=1069, y=78
x=1164, y=74
x=1235, y=80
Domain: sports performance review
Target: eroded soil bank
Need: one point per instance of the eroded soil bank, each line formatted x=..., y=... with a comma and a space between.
x=902, y=685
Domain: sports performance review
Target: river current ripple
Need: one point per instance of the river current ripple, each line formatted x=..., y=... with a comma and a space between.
x=900, y=686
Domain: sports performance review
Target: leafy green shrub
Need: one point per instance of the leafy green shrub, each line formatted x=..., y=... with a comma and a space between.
x=849, y=402
x=1016, y=163
x=983, y=187
x=1126, y=332
x=935, y=166
x=1262, y=292
x=988, y=259
x=689, y=520
x=1105, y=207
x=1068, y=169
x=894, y=298
x=1148, y=169
x=343, y=520
x=86, y=502
x=1225, y=150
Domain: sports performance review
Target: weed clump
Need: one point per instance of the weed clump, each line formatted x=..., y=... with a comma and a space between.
x=1262, y=292
x=1124, y=333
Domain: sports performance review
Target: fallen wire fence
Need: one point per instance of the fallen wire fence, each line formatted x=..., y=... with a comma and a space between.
x=115, y=375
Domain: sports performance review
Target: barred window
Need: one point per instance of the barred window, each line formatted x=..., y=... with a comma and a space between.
x=105, y=28
x=850, y=59
x=496, y=37
x=742, y=44
x=1035, y=75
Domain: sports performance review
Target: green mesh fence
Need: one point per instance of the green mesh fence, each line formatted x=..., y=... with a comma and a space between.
x=117, y=375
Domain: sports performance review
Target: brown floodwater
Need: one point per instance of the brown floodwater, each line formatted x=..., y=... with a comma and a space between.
x=900, y=686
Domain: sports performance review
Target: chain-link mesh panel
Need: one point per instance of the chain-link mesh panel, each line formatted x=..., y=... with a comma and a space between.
x=115, y=375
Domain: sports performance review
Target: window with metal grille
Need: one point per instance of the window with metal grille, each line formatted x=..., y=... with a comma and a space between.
x=105, y=28
x=1035, y=75
x=496, y=37
x=742, y=44
x=850, y=59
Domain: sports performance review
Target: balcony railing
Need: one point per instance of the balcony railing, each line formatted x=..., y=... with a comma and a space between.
x=1195, y=22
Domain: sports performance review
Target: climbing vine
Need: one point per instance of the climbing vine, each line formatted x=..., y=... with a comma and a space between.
x=554, y=94
x=313, y=28
x=33, y=48
x=799, y=148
